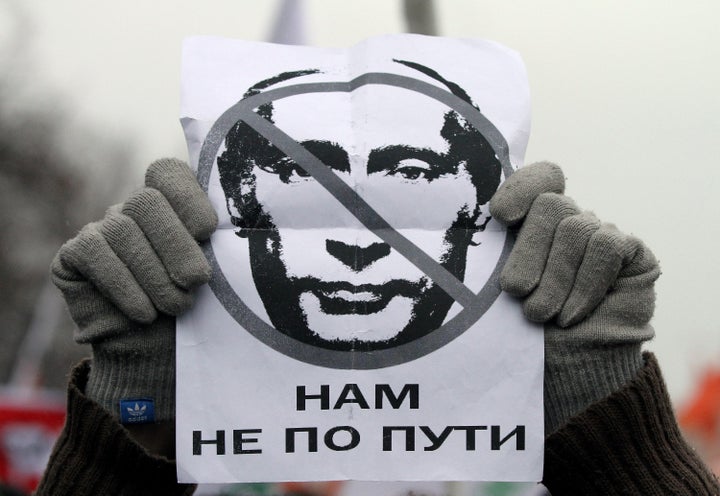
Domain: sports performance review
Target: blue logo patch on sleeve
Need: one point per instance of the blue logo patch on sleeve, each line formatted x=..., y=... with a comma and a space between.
x=137, y=411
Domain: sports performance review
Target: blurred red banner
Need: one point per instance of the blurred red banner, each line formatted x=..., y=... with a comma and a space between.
x=29, y=425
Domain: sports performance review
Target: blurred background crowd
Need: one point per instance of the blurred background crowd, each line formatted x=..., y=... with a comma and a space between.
x=624, y=98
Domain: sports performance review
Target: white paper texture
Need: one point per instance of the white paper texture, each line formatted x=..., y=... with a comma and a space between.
x=354, y=327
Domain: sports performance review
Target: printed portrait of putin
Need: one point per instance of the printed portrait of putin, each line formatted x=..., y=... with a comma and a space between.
x=324, y=278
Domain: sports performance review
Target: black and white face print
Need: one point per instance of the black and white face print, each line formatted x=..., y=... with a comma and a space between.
x=366, y=268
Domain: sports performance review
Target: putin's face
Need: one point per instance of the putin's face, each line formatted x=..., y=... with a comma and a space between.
x=323, y=277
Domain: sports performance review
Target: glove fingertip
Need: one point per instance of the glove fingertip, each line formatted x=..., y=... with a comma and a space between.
x=515, y=282
x=178, y=305
x=536, y=309
x=204, y=224
x=143, y=314
x=176, y=181
x=203, y=273
x=571, y=315
x=512, y=201
x=167, y=169
x=194, y=272
x=58, y=271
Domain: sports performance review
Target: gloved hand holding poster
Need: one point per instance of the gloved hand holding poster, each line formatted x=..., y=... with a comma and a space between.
x=354, y=327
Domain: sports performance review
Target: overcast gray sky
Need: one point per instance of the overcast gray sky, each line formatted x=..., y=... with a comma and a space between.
x=624, y=98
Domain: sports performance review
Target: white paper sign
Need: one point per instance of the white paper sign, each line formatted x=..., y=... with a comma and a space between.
x=354, y=327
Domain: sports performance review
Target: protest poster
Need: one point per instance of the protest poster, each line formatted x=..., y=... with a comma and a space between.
x=354, y=327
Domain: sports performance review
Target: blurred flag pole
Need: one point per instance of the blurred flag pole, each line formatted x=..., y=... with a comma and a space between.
x=420, y=17
x=289, y=25
x=38, y=339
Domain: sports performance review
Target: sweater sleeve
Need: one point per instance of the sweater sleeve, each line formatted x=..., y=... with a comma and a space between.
x=96, y=455
x=627, y=444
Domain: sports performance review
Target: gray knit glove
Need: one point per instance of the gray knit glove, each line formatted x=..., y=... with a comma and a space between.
x=126, y=277
x=591, y=285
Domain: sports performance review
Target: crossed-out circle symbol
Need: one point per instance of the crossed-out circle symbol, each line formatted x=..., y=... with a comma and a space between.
x=474, y=304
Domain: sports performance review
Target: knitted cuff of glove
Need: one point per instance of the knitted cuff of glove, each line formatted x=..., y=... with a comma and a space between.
x=577, y=376
x=140, y=366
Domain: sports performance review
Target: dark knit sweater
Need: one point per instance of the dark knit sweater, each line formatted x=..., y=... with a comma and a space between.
x=96, y=456
x=627, y=444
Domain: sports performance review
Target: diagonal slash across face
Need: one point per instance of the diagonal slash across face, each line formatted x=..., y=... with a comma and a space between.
x=474, y=305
